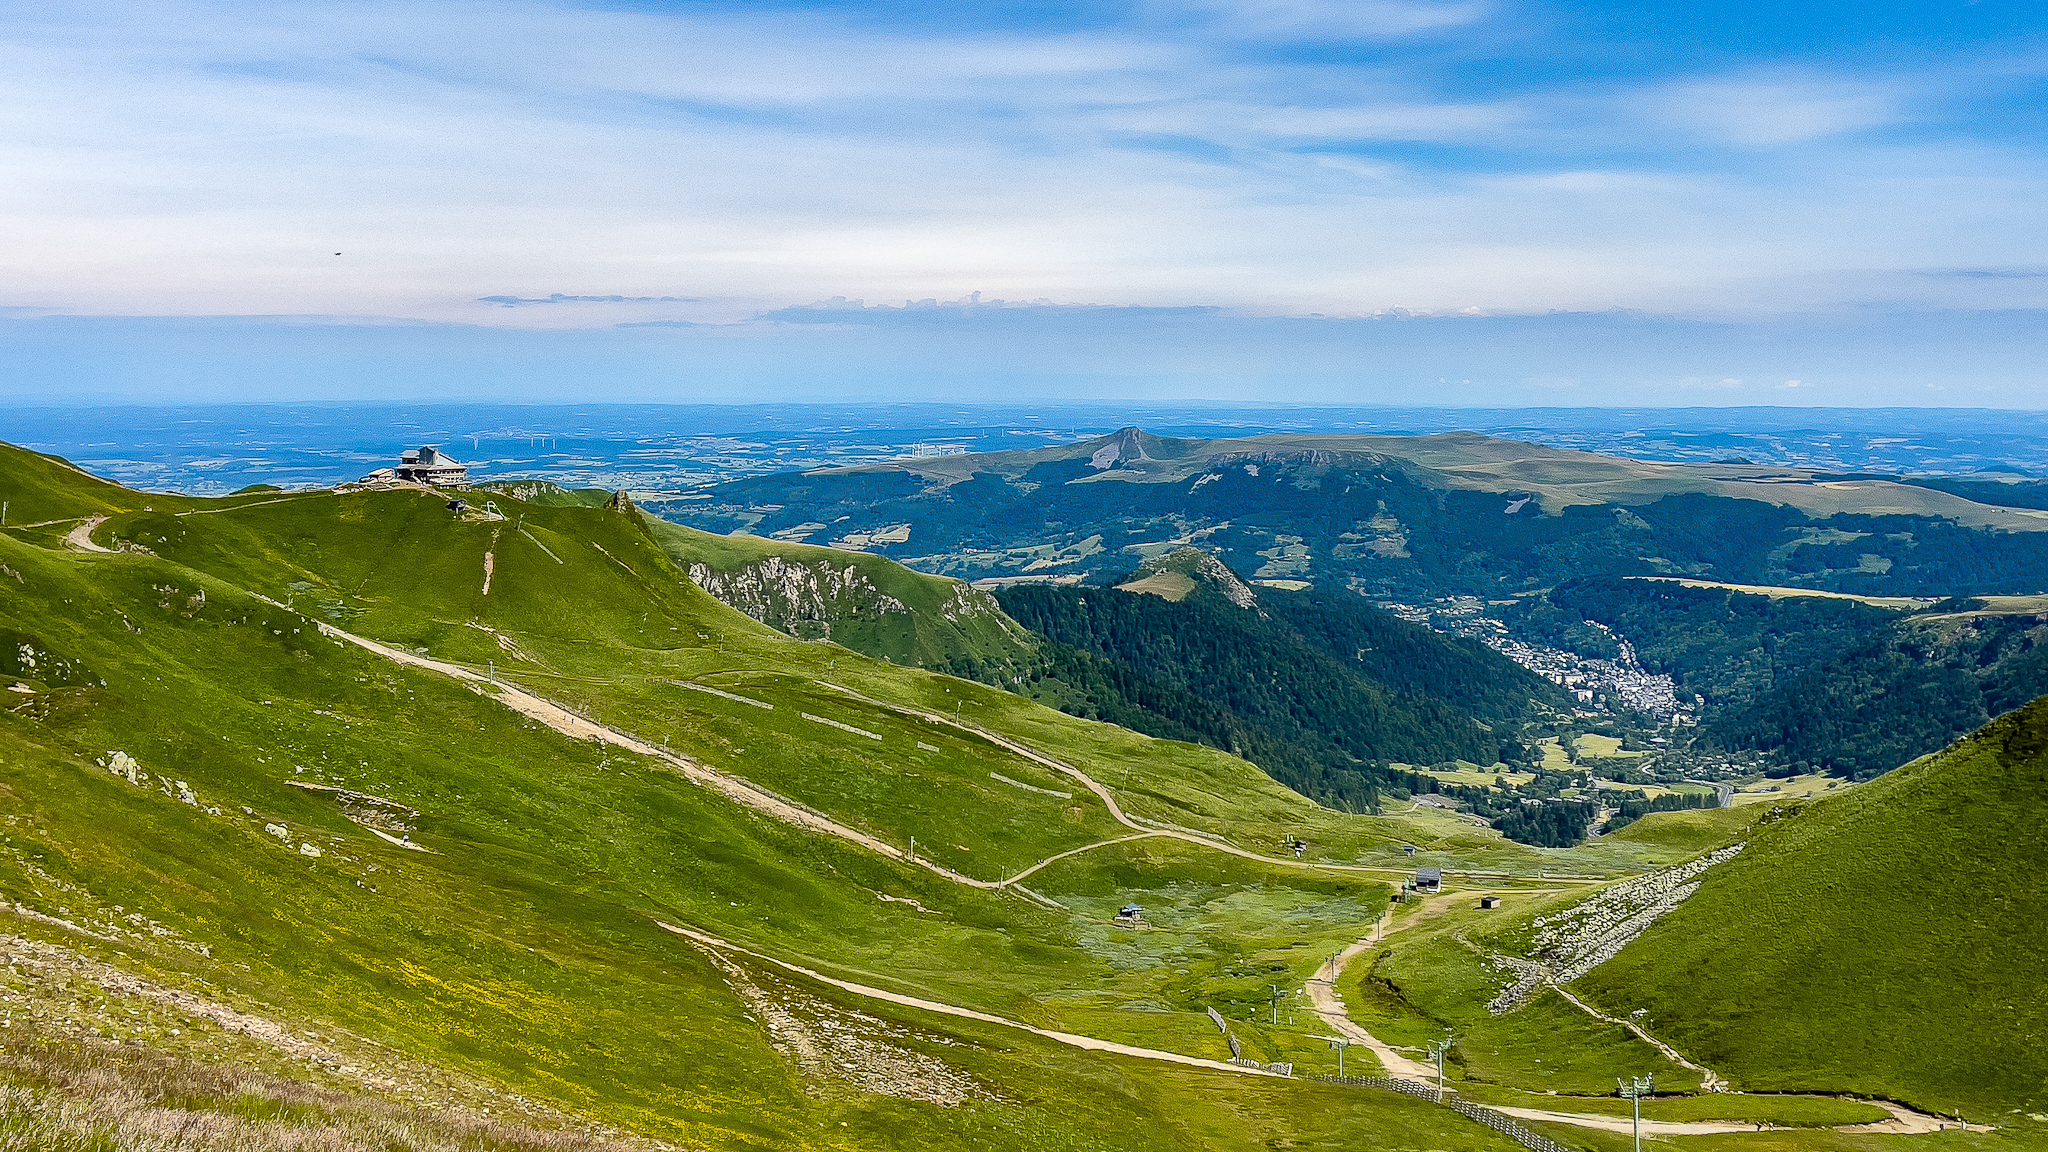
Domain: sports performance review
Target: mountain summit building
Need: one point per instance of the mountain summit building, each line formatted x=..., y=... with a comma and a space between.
x=425, y=465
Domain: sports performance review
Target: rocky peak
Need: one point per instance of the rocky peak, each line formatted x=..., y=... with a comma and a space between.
x=1177, y=574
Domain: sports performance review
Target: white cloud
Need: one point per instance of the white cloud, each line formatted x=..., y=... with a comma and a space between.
x=1774, y=112
x=1334, y=19
x=198, y=158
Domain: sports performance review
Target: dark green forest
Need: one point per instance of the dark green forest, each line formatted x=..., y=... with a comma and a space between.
x=1319, y=690
x=1824, y=685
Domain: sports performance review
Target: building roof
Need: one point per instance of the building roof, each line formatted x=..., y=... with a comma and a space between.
x=1429, y=875
x=428, y=456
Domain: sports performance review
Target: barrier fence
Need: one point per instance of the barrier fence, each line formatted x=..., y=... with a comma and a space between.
x=1479, y=1113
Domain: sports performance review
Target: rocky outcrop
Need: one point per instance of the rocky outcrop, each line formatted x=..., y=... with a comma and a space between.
x=802, y=599
x=1579, y=939
x=968, y=603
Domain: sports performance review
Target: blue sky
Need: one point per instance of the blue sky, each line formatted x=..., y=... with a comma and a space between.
x=1373, y=200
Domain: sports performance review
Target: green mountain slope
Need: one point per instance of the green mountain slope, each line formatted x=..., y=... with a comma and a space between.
x=406, y=850
x=870, y=604
x=1321, y=691
x=41, y=488
x=1888, y=940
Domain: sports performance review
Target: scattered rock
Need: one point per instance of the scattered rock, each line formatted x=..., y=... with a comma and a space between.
x=123, y=765
x=1579, y=939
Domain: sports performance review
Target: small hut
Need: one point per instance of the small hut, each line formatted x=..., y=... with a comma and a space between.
x=1429, y=879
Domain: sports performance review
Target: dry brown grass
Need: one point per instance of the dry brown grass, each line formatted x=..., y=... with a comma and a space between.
x=60, y=1094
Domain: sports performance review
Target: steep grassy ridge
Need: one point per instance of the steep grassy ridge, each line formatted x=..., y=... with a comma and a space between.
x=43, y=488
x=521, y=948
x=870, y=604
x=586, y=607
x=1888, y=940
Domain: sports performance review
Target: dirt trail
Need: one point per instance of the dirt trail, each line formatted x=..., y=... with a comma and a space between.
x=1089, y=1043
x=1038, y=758
x=1323, y=997
x=80, y=537
x=1104, y=794
x=1710, y=1080
x=255, y=503
x=578, y=727
x=1905, y=1121
x=1076, y=852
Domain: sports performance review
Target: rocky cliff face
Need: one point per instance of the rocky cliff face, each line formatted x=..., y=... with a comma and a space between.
x=802, y=599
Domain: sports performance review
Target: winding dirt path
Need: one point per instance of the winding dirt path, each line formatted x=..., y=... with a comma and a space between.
x=80, y=538
x=1907, y=1122
x=1902, y=1122
x=1075, y=852
x=1109, y=799
x=1323, y=997
x=1071, y=1039
x=579, y=727
x=1623, y=1124
x=1710, y=1080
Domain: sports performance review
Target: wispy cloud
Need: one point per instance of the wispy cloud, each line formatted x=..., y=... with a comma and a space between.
x=1770, y=112
x=1343, y=20
x=473, y=161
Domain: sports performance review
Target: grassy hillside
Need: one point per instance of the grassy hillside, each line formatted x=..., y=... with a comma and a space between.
x=387, y=857
x=447, y=902
x=41, y=488
x=1888, y=940
x=870, y=604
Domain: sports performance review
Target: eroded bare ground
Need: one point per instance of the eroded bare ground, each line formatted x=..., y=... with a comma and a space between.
x=828, y=1042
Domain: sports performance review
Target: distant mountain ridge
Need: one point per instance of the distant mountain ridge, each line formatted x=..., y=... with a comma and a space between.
x=1398, y=516
x=1559, y=477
